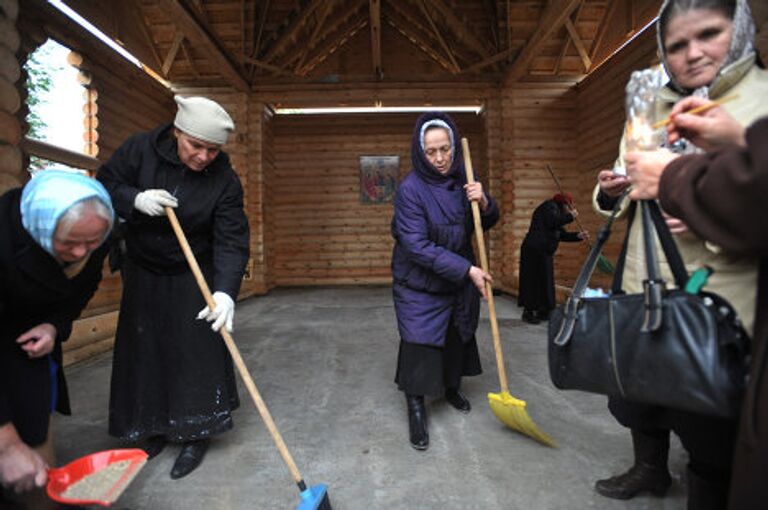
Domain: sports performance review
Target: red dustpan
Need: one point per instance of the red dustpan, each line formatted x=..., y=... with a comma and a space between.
x=96, y=479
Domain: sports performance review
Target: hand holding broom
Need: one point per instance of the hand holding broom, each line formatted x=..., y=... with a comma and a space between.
x=312, y=498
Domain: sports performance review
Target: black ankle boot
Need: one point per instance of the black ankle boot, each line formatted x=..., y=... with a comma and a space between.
x=457, y=400
x=153, y=446
x=649, y=474
x=529, y=317
x=189, y=458
x=417, y=421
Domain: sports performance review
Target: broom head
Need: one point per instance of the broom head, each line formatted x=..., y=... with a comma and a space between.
x=96, y=479
x=315, y=498
x=512, y=412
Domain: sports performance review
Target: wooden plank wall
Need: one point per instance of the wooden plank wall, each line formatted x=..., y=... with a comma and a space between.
x=600, y=118
x=322, y=233
x=536, y=128
x=12, y=109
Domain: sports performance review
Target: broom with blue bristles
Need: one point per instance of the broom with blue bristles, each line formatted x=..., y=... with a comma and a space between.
x=312, y=498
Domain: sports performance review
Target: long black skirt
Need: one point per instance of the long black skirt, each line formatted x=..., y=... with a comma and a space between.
x=428, y=370
x=172, y=376
x=537, y=278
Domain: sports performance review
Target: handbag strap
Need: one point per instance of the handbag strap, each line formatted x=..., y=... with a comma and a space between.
x=653, y=285
x=572, y=305
x=618, y=275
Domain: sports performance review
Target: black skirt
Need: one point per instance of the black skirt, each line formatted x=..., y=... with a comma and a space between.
x=172, y=376
x=537, y=279
x=428, y=370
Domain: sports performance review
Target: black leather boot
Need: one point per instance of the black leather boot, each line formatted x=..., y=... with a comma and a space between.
x=417, y=421
x=457, y=400
x=529, y=317
x=649, y=474
x=189, y=458
x=153, y=446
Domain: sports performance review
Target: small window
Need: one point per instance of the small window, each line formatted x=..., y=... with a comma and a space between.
x=56, y=103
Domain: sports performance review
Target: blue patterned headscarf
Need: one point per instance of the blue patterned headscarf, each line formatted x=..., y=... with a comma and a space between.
x=49, y=195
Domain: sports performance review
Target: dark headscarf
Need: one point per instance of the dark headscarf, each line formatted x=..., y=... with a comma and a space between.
x=456, y=175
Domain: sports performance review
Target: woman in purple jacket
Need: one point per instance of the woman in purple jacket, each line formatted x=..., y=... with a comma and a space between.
x=436, y=284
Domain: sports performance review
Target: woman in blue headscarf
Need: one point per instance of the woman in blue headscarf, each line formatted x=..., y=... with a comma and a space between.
x=436, y=284
x=52, y=249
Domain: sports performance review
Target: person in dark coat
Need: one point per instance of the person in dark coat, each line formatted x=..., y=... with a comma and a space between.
x=721, y=197
x=436, y=284
x=172, y=377
x=537, y=274
x=51, y=257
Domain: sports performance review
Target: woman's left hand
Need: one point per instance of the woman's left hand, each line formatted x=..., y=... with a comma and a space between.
x=475, y=194
x=38, y=341
x=644, y=169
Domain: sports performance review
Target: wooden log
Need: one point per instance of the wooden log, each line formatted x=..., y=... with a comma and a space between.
x=92, y=329
x=9, y=36
x=9, y=65
x=87, y=351
x=10, y=160
x=9, y=96
x=10, y=129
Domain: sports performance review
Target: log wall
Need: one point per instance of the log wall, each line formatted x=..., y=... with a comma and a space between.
x=12, y=114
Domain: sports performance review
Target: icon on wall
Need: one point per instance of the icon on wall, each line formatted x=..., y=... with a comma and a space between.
x=378, y=179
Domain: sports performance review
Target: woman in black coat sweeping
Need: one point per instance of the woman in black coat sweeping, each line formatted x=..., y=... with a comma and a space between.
x=51, y=258
x=172, y=377
x=537, y=276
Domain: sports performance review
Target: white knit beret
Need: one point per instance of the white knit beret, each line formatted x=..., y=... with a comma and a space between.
x=203, y=119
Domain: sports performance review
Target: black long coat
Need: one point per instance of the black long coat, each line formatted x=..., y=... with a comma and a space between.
x=537, y=278
x=33, y=291
x=165, y=359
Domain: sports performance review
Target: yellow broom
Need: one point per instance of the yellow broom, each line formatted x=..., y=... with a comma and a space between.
x=509, y=410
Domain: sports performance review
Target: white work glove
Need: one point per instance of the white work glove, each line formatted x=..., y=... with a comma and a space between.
x=153, y=202
x=222, y=314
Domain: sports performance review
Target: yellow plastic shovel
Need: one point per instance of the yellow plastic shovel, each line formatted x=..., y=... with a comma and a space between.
x=509, y=410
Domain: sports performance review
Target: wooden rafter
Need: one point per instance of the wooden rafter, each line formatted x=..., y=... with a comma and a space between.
x=172, y=52
x=579, y=44
x=132, y=9
x=551, y=20
x=458, y=27
x=492, y=9
x=330, y=30
x=195, y=29
x=568, y=40
x=269, y=67
x=374, y=9
x=605, y=23
x=262, y=20
x=335, y=42
x=439, y=37
x=188, y=55
x=502, y=55
x=404, y=26
x=291, y=32
x=329, y=4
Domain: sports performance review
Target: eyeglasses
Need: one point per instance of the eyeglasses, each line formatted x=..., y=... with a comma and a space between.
x=432, y=152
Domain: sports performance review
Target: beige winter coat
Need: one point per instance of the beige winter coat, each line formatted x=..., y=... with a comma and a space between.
x=734, y=277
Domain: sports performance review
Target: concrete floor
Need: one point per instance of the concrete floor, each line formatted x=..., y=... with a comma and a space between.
x=323, y=359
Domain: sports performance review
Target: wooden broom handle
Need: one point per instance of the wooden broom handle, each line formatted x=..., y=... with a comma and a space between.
x=484, y=266
x=233, y=350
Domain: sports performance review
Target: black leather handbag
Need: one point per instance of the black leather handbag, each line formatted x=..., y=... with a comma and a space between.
x=665, y=346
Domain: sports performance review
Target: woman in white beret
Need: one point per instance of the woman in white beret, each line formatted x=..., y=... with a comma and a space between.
x=172, y=377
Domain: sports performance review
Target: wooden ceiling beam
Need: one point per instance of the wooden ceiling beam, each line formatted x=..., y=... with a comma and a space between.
x=458, y=27
x=291, y=32
x=568, y=40
x=172, y=52
x=502, y=55
x=579, y=44
x=374, y=10
x=403, y=25
x=439, y=37
x=337, y=41
x=329, y=4
x=605, y=23
x=551, y=20
x=136, y=17
x=188, y=55
x=197, y=31
x=328, y=30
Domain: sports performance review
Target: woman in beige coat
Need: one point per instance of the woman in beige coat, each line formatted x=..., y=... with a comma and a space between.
x=706, y=49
